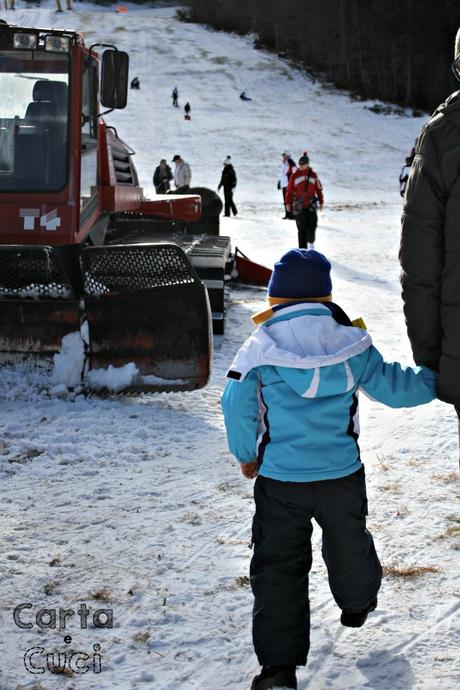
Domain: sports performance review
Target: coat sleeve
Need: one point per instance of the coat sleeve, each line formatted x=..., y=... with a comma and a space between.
x=319, y=191
x=421, y=252
x=240, y=405
x=187, y=174
x=395, y=385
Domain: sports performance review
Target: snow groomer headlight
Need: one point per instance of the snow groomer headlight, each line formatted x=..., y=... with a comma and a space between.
x=57, y=44
x=25, y=41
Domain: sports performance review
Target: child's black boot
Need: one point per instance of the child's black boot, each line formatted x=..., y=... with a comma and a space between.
x=356, y=620
x=272, y=677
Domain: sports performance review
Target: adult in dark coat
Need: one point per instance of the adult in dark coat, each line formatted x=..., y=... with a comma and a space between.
x=228, y=182
x=430, y=247
x=162, y=177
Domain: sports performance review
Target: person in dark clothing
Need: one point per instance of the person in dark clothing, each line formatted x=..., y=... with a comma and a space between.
x=175, y=97
x=188, y=110
x=228, y=182
x=405, y=172
x=291, y=415
x=430, y=246
x=135, y=83
x=244, y=97
x=162, y=177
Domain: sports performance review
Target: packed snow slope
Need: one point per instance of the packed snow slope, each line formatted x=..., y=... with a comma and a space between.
x=134, y=504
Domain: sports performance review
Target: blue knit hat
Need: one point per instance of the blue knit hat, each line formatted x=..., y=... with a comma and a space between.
x=301, y=273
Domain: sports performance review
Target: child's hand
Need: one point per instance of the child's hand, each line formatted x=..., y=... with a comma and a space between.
x=249, y=469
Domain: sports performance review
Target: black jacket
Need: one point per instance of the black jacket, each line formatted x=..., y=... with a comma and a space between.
x=228, y=179
x=161, y=179
x=430, y=249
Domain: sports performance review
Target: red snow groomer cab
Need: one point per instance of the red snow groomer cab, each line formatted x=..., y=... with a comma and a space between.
x=79, y=244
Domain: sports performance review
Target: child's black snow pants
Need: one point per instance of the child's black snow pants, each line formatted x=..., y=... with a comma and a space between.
x=282, y=559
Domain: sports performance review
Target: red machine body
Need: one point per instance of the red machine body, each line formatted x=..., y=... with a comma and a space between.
x=65, y=179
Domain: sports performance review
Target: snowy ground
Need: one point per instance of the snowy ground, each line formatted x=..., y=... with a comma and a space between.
x=134, y=504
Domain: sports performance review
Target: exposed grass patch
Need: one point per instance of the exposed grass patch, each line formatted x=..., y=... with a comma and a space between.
x=50, y=587
x=190, y=519
x=242, y=581
x=410, y=571
x=383, y=462
x=447, y=477
x=141, y=637
x=391, y=487
x=103, y=594
x=412, y=462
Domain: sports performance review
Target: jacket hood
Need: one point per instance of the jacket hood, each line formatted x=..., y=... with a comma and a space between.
x=299, y=338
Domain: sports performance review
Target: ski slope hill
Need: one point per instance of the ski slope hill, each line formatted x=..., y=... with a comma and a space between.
x=135, y=504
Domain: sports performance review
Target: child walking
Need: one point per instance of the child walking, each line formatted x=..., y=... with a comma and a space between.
x=291, y=414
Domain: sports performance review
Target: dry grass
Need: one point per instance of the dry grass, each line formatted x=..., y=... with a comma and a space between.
x=383, y=462
x=391, y=487
x=142, y=636
x=50, y=587
x=402, y=511
x=409, y=571
x=413, y=462
x=241, y=581
x=447, y=477
x=190, y=519
x=103, y=594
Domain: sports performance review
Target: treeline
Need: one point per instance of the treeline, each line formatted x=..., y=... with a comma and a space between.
x=394, y=50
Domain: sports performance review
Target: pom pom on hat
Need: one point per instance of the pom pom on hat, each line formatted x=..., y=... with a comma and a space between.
x=227, y=161
x=301, y=273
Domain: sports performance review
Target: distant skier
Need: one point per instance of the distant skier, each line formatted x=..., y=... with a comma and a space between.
x=228, y=182
x=135, y=83
x=188, y=110
x=244, y=97
x=182, y=174
x=175, y=96
x=162, y=177
x=405, y=172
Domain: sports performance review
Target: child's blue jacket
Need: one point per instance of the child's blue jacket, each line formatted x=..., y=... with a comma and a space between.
x=292, y=399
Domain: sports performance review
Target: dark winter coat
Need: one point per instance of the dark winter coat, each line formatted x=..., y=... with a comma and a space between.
x=161, y=178
x=228, y=179
x=430, y=249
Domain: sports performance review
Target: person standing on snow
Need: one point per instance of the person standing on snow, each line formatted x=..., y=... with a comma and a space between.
x=228, y=182
x=290, y=409
x=405, y=172
x=175, y=96
x=188, y=110
x=429, y=252
x=182, y=174
x=162, y=177
x=287, y=168
x=303, y=195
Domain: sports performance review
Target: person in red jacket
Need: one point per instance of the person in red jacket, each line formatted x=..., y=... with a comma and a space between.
x=303, y=196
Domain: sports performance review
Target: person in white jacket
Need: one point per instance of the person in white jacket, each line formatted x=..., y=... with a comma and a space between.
x=182, y=174
x=287, y=168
